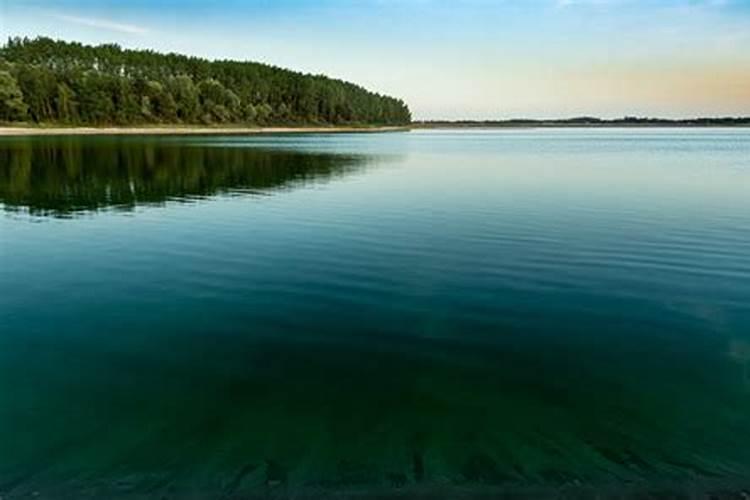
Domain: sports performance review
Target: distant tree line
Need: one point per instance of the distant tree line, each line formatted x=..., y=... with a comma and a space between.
x=589, y=121
x=48, y=81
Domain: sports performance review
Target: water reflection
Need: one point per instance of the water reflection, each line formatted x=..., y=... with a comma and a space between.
x=476, y=318
x=64, y=176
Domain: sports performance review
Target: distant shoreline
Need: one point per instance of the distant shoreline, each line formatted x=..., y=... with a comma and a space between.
x=187, y=130
x=587, y=123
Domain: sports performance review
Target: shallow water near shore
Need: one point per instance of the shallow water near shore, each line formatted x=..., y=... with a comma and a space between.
x=432, y=311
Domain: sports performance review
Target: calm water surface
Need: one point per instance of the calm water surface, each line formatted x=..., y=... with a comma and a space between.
x=427, y=311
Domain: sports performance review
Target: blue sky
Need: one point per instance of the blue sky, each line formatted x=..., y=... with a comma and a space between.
x=452, y=59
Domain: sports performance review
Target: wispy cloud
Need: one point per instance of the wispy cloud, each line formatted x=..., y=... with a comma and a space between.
x=673, y=3
x=569, y=3
x=104, y=24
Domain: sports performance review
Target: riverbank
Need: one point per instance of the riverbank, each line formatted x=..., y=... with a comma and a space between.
x=176, y=130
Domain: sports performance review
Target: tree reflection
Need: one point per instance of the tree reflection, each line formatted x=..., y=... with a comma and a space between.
x=64, y=176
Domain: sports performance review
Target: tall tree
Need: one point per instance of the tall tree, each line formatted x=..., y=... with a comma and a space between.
x=185, y=95
x=12, y=106
x=66, y=106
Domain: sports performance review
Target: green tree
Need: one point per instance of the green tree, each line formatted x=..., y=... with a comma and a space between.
x=186, y=98
x=12, y=106
x=157, y=104
x=219, y=103
x=264, y=112
x=39, y=87
x=66, y=107
x=96, y=104
x=250, y=114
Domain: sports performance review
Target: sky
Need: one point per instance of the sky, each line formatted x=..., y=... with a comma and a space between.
x=451, y=59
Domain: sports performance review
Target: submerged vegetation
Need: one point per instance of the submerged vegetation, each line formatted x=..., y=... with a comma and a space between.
x=48, y=81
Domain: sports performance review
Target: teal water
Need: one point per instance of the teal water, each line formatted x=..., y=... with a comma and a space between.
x=529, y=312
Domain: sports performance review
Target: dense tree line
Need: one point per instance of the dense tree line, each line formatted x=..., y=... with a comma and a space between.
x=48, y=81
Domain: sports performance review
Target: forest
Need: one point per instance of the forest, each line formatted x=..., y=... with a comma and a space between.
x=45, y=81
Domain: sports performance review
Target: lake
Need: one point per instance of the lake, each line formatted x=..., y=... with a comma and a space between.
x=534, y=312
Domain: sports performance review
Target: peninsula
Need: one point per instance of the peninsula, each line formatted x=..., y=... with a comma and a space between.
x=49, y=83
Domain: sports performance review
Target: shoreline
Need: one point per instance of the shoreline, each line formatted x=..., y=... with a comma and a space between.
x=11, y=131
x=21, y=131
x=572, y=125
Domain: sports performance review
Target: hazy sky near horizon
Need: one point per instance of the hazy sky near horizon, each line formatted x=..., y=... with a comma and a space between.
x=451, y=59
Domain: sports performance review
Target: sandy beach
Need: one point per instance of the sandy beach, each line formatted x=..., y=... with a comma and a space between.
x=171, y=130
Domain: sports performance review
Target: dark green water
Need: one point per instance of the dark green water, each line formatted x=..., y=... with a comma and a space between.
x=532, y=312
